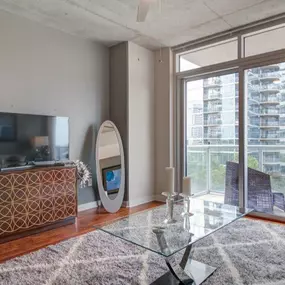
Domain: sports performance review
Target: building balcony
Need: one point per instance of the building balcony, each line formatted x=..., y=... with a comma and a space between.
x=212, y=82
x=214, y=122
x=212, y=136
x=212, y=109
x=269, y=123
x=264, y=76
x=270, y=76
x=269, y=88
x=271, y=159
x=269, y=112
x=212, y=97
x=269, y=99
x=269, y=136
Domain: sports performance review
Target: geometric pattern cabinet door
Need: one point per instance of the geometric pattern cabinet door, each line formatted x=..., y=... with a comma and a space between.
x=35, y=198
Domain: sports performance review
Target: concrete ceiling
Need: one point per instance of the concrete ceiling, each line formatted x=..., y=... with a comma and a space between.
x=113, y=21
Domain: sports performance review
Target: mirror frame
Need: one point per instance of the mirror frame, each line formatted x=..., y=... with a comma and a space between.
x=110, y=205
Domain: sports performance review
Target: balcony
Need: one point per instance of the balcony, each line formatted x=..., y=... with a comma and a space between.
x=269, y=136
x=271, y=158
x=213, y=122
x=270, y=76
x=212, y=82
x=269, y=124
x=269, y=88
x=206, y=167
x=213, y=136
x=269, y=100
x=269, y=112
x=212, y=97
x=213, y=108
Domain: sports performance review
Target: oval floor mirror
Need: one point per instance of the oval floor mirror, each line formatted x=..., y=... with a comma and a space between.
x=110, y=167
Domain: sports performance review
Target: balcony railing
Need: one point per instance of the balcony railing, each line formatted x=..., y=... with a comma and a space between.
x=213, y=81
x=270, y=112
x=206, y=163
x=269, y=136
x=213, y=108
x=217, y=96
x=265, y=87
x=269, y=99
x=276, y=75
x=269, y=123
x=214, y=122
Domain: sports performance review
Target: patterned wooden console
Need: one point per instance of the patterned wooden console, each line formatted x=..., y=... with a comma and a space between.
x=35, y=200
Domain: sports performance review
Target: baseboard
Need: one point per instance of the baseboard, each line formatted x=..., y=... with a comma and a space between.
x=87, y=206
x=125, y=204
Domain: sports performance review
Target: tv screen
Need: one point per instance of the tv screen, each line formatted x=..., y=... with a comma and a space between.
x=7, y=127
x=112, y=178
x=32, y=138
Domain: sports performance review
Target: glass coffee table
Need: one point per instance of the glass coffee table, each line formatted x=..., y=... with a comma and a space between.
x=148, y=230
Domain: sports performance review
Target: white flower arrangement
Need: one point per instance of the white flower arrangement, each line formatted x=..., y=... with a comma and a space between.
x=83, y=173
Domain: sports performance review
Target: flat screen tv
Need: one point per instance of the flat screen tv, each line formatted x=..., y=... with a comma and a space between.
x=112, y=179
x=32, y=138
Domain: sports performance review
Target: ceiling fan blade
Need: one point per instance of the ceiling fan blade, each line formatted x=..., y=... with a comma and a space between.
x=143, y=9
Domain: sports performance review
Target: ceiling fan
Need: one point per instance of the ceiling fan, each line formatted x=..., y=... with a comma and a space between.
x=143, y=8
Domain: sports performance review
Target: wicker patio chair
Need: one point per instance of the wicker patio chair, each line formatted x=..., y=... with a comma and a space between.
x=260, y=196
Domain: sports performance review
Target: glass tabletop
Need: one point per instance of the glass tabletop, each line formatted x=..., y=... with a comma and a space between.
x=148, y=230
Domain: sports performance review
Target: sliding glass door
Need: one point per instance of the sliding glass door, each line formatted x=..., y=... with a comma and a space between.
x=265, y=90
x=211, y=133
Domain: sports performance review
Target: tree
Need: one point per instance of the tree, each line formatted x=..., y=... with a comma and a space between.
x=252, y=162
x=219, y=170
x=197, y=169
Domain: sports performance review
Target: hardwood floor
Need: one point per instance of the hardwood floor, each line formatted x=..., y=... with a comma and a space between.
x=84, y=224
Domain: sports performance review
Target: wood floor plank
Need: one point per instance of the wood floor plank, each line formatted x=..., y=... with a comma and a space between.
x=84, y=223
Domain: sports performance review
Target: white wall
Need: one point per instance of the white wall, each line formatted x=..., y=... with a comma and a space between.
x=141, y=125
x=44, y=71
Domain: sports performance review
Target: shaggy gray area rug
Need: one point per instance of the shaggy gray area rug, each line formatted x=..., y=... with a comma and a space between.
x=245, y=252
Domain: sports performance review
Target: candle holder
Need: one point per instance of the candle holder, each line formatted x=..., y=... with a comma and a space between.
x=186, y=205
x=169, y=207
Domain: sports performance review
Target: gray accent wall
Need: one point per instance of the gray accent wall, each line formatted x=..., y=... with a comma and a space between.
x=132, y=107
x=45, y=71
x=119, y=98
x=164, y=119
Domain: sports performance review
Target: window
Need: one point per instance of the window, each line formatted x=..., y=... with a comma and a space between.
x=208, y=55
x=215, y=152
x=213, y=139
x=264, y=41
x=266, y=125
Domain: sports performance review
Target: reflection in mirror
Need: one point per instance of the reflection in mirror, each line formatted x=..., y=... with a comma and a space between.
x=109, y=156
